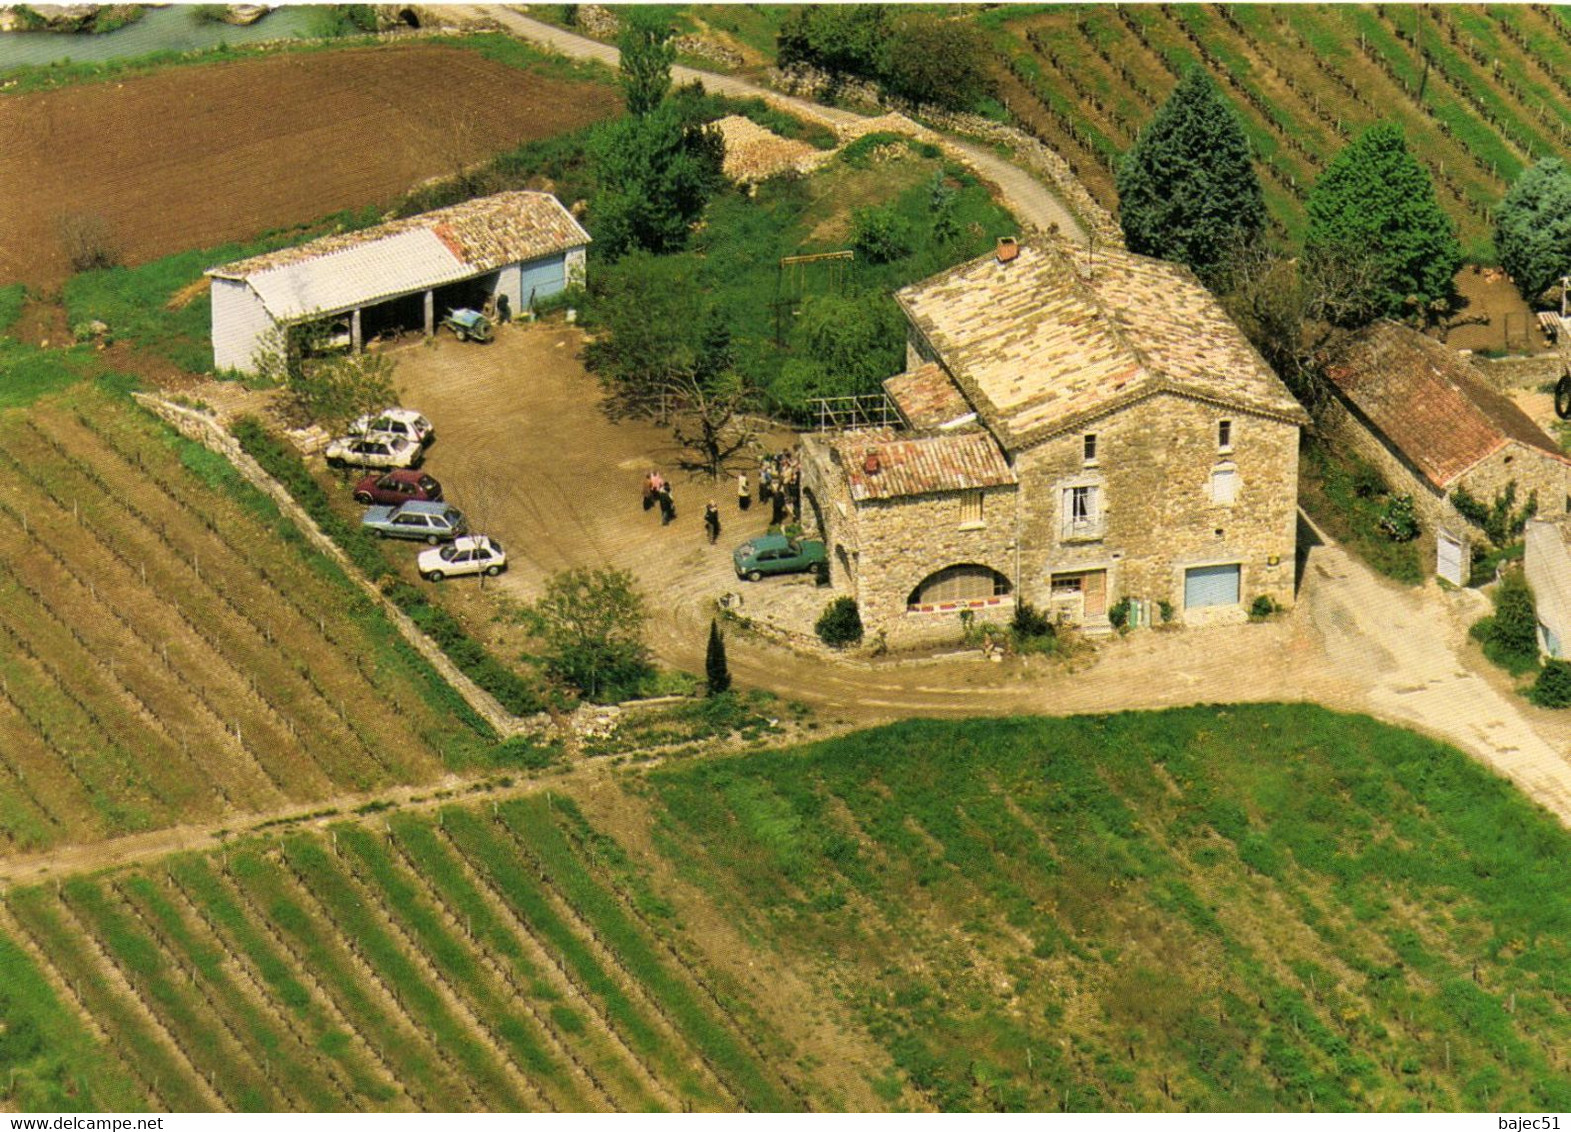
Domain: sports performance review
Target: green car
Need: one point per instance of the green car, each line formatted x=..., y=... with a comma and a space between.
x=776, y=554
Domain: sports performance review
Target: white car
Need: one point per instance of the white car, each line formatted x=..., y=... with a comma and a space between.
x=472, y=554
x=396, y=422
x=374, y=450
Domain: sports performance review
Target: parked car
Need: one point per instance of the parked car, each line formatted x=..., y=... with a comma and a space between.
x=469, y=325
x=396, y=422
x=433, y=522
x=776, y=554
x=473, y=554
x=401, y=485
x=374, y=450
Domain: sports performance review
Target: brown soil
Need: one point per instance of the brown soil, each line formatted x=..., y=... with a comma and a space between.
x=197, y=156
x=1508, y=323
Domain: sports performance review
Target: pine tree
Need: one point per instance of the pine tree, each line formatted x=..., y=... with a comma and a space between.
x=1373, y=218
x=1187, y=189
x=716, y=671
x=647, y=53
x=1533, y=228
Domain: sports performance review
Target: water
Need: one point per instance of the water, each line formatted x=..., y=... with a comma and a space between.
x=159, y=29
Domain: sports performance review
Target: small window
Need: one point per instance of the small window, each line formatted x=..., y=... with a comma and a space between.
x=1090, y=448
x=971, y=509
x=1224, y=436
x=1082, y=513
x=1224, y=485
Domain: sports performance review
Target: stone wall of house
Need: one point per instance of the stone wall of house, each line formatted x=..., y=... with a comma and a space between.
x=1153, y=468
x=881, y=550
x=1527, y=371
x=1532, y=471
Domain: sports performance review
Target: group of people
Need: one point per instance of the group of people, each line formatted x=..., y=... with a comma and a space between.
x=779, y=484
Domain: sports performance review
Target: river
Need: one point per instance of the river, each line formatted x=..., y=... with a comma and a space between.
x=160, y=29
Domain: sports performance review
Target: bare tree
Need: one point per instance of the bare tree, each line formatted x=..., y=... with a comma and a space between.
x=88, y=241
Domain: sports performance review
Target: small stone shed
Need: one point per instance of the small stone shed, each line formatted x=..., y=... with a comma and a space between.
x=517, y=247
x=1425, y=416
x=1098, y=432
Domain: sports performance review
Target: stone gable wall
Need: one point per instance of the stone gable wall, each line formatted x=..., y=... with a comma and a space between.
x=1154, y=465
x=1530, y=469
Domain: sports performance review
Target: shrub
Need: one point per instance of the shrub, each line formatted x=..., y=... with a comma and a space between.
x=1029, y=622
x=1500, y=520
x=717, y=672
x=1552, y=689
x=1261, y=608
x=1511, y=639
x=1399, y=520
x=841, y=623
x=1165, y=608
x=880, y=234
x=89, y=244
x=1118, y=613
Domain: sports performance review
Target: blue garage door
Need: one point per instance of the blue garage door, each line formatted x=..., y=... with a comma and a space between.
x=1210, y=585
x=543, y=277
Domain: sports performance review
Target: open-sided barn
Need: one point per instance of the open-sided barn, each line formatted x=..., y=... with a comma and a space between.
x=512, y=249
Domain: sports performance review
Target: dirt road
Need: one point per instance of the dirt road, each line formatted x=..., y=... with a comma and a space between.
x=1025, y=196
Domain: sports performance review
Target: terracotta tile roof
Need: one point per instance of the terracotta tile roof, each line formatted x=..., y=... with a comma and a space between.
x=483, y=234
x=1429, y=402
x=927, y=396
x=1052, y=339
x=921, y=465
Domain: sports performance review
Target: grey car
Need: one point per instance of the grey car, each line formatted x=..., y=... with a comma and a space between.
x=429, y=522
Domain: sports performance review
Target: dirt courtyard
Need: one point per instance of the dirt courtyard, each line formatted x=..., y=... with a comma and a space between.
x=525, y=450
x=200, y=155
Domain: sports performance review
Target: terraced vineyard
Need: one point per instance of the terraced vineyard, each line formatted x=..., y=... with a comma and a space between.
x=1481, y=90
x=478, y=959
x=170, y=650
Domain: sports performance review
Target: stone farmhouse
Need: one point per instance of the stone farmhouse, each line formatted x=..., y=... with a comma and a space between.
x=1077, y=430
x=1427, y=419
x=511, y=249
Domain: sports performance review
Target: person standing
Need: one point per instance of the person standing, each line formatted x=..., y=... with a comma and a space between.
x=667, y=506
x=712, y=521
x=765, y=479
x=744, y=494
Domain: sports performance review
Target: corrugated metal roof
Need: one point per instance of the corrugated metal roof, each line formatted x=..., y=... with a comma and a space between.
x=1429, y=402
x=1048, y=340
x=481, y=235
x=920, y=465
x=358, y=276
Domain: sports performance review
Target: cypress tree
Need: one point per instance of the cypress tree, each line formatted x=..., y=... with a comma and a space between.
x=1187, y=189
x=716, y=671
x=1374, y=221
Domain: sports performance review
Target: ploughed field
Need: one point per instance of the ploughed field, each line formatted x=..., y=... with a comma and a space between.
x=199, y=156
x=172, y=652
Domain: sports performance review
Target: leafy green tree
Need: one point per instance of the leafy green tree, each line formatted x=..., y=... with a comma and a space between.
x=1187, y=189
x=936, y=59
x=655, y=175
x=1376, y=202
x=647, y=53
x=840, y=624
x=1512, y=639
x=1533, y=228
x=717, y=673
x=592, y=623
x=329, y=389
x=844, y=39
x=666, y=355
x=880, y=234
x=1552, y=689
x=841, y=345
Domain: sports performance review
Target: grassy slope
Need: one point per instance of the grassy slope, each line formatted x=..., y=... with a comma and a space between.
x=1245, y=908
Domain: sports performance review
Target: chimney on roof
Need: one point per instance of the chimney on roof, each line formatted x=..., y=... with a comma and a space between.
x=1008, y=248
x=871, y=463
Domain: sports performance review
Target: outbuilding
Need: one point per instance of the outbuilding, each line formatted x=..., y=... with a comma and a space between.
x=1427, y=419
x=511, y=250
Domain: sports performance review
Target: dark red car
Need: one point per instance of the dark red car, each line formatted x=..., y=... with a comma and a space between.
x=401, y=485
